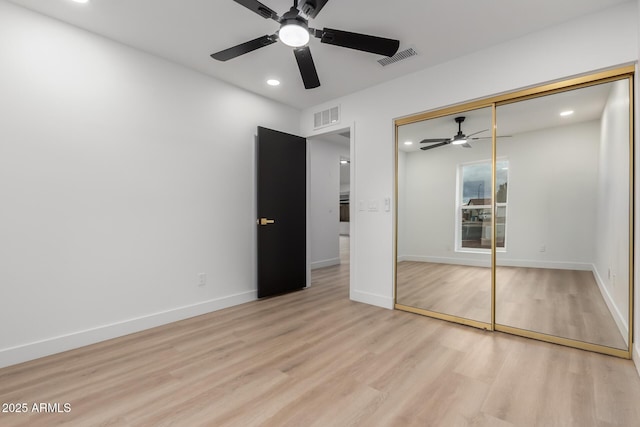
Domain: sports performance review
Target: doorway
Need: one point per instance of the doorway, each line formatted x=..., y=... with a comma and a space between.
x=329, y=204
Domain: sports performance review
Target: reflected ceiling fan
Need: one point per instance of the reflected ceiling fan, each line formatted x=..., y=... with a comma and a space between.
x=458, y=139
x=295, y=32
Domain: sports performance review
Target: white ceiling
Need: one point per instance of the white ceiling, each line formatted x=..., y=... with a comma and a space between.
x=188, y=31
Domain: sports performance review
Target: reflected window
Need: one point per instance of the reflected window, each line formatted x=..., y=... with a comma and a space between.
x=474, y=205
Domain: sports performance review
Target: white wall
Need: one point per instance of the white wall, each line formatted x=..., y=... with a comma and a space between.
x=601, y=40
x=612, y=232
x=324, y=201
x=551, y=200
x=122, y=176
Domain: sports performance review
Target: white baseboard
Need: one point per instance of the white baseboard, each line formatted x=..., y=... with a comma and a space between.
x=35, y=350
x=325, y=263
x=371, y=299
x=623, y=327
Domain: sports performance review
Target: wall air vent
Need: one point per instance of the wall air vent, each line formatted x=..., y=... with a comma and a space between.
x=407, y=53
x=327, y=117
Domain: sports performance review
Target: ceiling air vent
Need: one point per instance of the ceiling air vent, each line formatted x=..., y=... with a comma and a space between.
x=407, y=53
x=326, y=117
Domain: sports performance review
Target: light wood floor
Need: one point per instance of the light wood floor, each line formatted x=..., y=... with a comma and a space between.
x=315, y=358
x=565, y=303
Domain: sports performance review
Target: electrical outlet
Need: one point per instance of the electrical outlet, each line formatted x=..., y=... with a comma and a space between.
x=202, y=279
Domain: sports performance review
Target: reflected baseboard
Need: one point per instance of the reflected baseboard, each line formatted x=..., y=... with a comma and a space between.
x=446, y=260
x=623, y=327
x=472, y=262
x=555, y=265
x=636, y=357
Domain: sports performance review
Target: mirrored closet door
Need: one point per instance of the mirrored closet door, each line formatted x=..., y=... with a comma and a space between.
x=444, y=216
x=564, y=270
x=515, y=213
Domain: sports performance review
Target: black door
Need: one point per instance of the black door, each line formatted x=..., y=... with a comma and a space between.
x=282, y=210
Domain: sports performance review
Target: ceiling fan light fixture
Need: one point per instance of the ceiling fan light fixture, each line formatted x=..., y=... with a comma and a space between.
x=459, y=141
x=294, y=33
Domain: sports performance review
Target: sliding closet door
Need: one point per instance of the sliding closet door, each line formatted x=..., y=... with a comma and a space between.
x=444, y=217
x=563, y=216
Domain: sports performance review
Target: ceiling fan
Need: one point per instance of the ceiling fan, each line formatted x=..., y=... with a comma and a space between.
x=458, y=139
x=295, y=32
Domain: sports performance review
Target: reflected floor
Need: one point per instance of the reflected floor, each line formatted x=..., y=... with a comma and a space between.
x=565, y=303
x=456, y=290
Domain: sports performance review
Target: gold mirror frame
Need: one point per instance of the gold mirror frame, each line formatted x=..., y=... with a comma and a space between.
x=493, y=102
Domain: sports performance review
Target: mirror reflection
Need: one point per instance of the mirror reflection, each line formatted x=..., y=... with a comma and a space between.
x=444, y=215
x=563, y=263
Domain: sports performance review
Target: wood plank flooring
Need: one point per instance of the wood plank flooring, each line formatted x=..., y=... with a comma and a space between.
x=315, y=358
x=564, y=303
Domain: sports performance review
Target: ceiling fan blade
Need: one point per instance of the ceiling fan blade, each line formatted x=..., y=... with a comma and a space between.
x=307, y=67
x=259, y=8
x=475, y=133
x=488, y=137
x=241, y=49
x=465, y=145
x=311, y=8
x=432, y=140
x=435, y=145
x=357, y=41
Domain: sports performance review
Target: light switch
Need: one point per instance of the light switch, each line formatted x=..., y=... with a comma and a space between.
x=361, y=205
x=373, y=205
x=387, y=204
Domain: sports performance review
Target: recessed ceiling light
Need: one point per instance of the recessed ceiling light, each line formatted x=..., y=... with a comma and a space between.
x=273, y=82
x=408, y=143
x=81, y=1
x=566, y=113
x=344, y=161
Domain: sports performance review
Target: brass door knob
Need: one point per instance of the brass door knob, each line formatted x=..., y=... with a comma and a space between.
x=265, y=221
